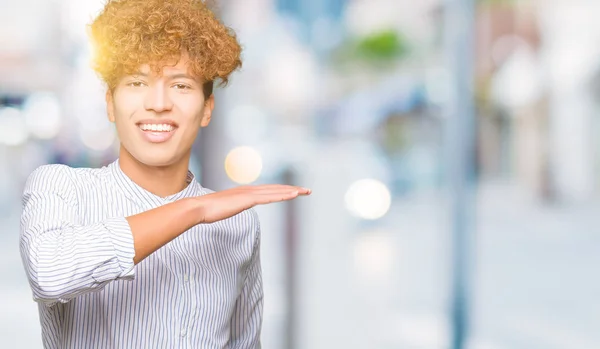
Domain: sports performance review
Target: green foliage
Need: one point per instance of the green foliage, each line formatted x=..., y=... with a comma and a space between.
x=378, y=50
x=382, y=45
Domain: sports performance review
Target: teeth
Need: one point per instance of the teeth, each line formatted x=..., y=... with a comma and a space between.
x=156, y=127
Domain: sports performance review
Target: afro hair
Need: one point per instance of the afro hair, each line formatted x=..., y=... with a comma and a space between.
x=131, y=33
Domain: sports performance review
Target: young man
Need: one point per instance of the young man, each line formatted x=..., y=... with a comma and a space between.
x=137, y=254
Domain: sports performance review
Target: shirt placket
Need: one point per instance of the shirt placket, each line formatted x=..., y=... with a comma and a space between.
x=186, y=308
x=182, y=268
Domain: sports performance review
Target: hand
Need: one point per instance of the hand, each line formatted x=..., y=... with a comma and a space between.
x=227, y=203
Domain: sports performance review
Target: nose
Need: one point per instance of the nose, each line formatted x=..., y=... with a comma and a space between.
x=157, y=99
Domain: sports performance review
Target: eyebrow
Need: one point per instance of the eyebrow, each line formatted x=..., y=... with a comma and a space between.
x=170, y=77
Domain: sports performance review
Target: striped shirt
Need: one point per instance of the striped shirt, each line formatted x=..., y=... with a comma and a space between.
x=201, y=290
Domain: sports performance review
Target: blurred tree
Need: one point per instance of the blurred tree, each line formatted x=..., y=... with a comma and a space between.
x=377, y=49
x=384, y=45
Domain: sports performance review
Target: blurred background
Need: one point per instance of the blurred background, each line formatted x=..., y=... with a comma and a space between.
x=451, y=147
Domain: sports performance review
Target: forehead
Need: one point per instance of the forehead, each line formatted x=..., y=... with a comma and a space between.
x=180, y=67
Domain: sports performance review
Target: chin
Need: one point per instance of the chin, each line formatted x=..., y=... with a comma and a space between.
x=158, y=161
x=153, y=159
x=156, y=157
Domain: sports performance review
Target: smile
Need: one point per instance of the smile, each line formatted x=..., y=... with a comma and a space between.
x=156, y=133
x=156, y=127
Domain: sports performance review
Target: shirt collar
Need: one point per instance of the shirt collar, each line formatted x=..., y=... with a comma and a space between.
x=136, y=193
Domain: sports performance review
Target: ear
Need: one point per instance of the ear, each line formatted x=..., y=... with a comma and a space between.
x=209, y=106
x=110, y=106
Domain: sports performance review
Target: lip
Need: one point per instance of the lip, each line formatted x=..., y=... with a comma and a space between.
x=157, y=136
x=157, y=122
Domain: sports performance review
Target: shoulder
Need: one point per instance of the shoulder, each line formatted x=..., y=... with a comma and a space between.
x=59, y=177
x=50, y=176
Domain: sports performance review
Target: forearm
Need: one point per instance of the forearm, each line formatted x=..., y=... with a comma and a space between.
x=154, y=228
x=65, y=260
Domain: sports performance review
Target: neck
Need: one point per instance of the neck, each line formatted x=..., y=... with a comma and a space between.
x=159, y=180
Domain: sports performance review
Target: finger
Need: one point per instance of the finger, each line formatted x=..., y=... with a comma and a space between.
x=300, y=191
x=265, y=187
x=275, y=197
x=270, y=186
x=258, y=189
x=275, y=189
x=304, y=191
x=287, y=188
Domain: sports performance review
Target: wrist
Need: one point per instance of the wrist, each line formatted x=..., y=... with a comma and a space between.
x=196, y=209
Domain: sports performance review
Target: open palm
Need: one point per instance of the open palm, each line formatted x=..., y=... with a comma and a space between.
x=227, y=203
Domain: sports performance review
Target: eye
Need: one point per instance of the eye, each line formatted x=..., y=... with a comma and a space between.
x=136, y=84
x=181, y=87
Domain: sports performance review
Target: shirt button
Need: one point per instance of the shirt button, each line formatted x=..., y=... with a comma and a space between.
x=183, y=332
x=186, y=278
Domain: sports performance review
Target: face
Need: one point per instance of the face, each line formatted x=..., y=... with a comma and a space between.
x=158, y=116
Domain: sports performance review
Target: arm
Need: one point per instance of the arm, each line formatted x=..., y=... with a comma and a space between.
x=63, y=258
x=246, y=321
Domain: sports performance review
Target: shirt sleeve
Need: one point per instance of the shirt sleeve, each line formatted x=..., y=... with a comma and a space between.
x=62, y=257
x=247, y=317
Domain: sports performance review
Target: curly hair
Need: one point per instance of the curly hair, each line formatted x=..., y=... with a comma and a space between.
x=130, y=33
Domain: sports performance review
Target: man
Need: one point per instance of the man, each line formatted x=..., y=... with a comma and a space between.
x=137, y=254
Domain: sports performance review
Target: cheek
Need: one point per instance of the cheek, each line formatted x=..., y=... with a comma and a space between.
x=191, y=116
x=122, y=124
x=127, y=103
x=124, y=127
x=190, y=130
x=124, y=112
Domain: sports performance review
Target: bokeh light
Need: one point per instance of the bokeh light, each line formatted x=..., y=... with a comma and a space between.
x=368, y=199
x=13, y=130
x=243, y=165
x=42, y=114
x=98, y=140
